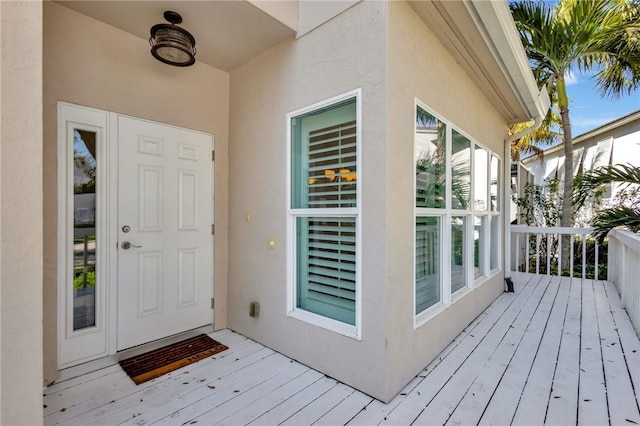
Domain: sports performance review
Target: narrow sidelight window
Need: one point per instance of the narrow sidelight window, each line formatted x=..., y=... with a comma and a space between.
x=84, y=229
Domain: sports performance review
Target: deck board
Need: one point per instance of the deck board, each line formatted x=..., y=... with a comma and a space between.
x=514, y=355
x=622, y=406
x=562, y=406
x=592, y=398
x=558, y=351
x=527, y=382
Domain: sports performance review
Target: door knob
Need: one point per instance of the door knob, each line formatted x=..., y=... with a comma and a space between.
x=127, y=245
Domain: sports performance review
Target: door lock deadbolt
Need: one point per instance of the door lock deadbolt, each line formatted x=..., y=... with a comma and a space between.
x=126, y=228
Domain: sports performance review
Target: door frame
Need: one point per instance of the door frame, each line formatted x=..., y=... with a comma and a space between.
x=103, y=336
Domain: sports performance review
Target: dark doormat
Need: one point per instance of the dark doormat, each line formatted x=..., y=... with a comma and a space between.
x=161, y=361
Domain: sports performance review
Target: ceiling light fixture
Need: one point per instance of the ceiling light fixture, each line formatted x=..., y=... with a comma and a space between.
x=171, y=44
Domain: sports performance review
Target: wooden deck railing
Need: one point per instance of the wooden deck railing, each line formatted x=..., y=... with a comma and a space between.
x=539, y=250
x=624, y=271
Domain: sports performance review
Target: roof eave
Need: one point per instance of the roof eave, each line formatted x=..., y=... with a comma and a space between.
x=494, y=21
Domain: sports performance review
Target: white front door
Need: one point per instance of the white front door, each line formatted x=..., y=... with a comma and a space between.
x=164, y=238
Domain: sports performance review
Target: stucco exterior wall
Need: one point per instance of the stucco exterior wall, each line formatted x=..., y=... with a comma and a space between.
x=345, y=53
x=420, y=67
x=313, y=13
x=21, y=213
x=90, y=63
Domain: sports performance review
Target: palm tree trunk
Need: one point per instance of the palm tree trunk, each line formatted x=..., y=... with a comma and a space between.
x=567, y=212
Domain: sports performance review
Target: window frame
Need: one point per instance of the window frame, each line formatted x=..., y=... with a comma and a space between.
x=353, y=331
x=447, y=298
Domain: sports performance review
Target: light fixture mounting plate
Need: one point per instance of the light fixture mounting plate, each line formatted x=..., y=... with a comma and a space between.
x=173, y=17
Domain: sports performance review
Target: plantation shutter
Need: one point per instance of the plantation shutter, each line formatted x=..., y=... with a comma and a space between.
x=332, y=166
x=326, y=167
x=329, y=268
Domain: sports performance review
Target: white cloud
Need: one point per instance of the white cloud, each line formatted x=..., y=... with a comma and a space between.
x=570, y=78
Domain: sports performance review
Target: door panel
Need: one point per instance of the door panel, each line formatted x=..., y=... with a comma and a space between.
x=165, y=197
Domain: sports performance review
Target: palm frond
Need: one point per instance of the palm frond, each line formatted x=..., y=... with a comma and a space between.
x=602, y=36
x=590, y=183
x=615, y=217
x=533, y=143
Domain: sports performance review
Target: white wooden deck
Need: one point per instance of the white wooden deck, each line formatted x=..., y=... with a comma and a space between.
x=558, y=351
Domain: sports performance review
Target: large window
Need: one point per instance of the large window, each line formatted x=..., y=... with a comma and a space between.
x=457, y=210
x=324, y=214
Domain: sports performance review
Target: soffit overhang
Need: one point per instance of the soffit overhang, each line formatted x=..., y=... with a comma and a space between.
x=228, y=33
x=482, y=37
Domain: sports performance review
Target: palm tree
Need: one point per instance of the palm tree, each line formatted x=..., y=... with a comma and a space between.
x=593, y=183
x=533, y=143
x=595, y=36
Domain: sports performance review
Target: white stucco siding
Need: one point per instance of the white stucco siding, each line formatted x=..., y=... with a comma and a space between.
x=420, y=67
x=344, y=54
x=21, y=214
x=626, y=149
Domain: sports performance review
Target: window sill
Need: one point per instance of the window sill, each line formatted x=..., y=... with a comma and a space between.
x=480, y=281
x=433, y=311
x=347, y=330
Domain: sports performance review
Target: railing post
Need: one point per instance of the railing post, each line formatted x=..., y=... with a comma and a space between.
x=559, y=255
x=537, y=253
x=571, y=256
x=597, y=246
x=548, y=254
x=584, y=256
x=527, y=252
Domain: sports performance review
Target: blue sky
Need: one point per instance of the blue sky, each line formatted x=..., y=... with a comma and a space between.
x=588, y=110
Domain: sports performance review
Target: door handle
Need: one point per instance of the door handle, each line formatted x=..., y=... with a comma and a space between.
x=127, y=245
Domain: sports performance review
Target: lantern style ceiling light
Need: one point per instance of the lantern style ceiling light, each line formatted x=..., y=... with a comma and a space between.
x=171, y=44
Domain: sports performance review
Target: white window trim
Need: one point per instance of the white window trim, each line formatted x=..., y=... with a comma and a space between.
x=69, y=117
x=445, y=215
x=353, y=331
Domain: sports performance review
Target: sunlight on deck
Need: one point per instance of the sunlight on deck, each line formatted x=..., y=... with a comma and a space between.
x=557, y=351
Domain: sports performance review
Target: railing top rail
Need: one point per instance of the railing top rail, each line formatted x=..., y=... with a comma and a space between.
x=523, y=229
x=627, y=238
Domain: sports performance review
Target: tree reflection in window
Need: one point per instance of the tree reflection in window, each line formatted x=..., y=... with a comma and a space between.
x=431, y=163
x=84, y=234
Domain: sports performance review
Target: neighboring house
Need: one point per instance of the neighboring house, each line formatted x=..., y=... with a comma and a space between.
x=521, y=175
x=616, y=142
x=357, y=188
